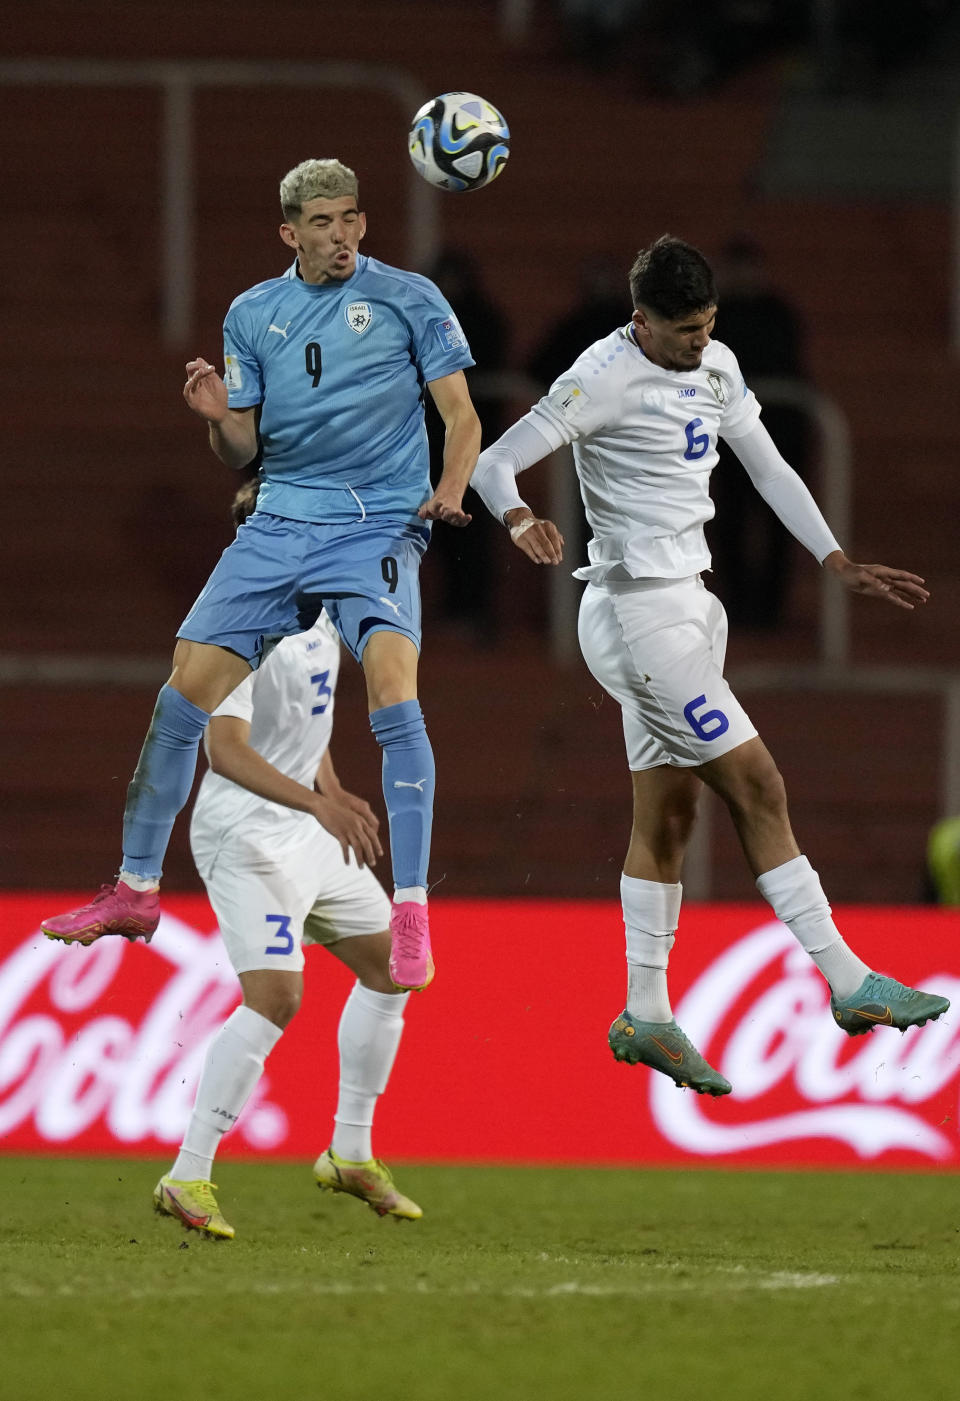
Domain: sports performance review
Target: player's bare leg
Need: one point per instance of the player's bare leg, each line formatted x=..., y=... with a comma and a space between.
x=368, y=1037
x=201, y=678
x=645, y=1033
x=750, y=784
x=390, y=668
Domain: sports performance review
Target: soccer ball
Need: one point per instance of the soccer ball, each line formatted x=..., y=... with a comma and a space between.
x=458, y=141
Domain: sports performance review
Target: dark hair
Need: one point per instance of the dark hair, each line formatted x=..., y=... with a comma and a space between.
x=672, y=279
x=245, y=502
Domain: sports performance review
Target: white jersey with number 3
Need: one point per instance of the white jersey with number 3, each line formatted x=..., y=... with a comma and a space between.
x=288, y=703
x=644, y=443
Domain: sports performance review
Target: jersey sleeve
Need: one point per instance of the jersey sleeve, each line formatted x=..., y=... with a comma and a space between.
x=439, y=345
x=239, y=703
x=741, y=411
x=242, y=372
x=571, y=411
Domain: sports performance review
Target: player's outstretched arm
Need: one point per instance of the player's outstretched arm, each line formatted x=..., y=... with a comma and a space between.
x=233, y=432
x=461, y=446
x=232, y=756
x=895, y=586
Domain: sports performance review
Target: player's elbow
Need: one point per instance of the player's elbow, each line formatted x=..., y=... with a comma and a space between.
x=221, y=757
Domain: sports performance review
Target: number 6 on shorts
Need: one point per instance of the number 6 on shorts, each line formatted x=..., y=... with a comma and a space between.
x=710, y=725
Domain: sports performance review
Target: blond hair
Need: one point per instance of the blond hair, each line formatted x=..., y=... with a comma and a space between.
x=326, y=179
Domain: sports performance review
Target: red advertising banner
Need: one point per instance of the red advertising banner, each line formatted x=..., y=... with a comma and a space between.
x=504, y=1058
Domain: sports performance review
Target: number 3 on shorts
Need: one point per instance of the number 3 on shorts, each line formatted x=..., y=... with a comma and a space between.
x=710, y=725
x=284, y=938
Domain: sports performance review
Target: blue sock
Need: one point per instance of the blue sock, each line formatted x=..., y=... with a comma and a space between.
x=408, y=784
x=162, y=781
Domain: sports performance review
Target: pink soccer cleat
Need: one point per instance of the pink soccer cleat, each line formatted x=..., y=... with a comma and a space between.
x=116, y=909
x=411, y=962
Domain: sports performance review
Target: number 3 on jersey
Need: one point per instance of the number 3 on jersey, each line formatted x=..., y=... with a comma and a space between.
x=324, y=692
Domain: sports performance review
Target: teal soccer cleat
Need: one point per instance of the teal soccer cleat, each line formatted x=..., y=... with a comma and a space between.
x=664, y=1047
x=880, y=1001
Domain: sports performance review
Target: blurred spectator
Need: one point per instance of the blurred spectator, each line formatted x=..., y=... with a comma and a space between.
x=463, y=557
x=752, y=551
x=861, y=43
x=680, y=54
x=602, y=304
x=594, y=29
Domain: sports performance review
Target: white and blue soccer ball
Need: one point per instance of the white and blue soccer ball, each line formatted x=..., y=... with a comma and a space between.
x=459, y=141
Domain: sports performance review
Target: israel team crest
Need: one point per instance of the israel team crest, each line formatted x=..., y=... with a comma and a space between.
x=358, y=316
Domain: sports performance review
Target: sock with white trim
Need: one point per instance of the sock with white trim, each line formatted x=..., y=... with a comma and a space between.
x=796, y=896
x=651, y=912
x=368, y=1037
x=232, y=1066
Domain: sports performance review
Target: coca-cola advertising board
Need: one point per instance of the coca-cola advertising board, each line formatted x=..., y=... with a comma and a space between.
x=504, y=1058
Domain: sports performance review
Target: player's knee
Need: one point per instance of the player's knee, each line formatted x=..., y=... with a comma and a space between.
x=677, y=824
x=758, y=789
x=278, y=1005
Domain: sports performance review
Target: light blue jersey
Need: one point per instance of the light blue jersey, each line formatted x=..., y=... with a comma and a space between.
x=339, y=369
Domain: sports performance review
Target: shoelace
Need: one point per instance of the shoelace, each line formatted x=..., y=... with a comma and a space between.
x=203, y=1192
x=410, y=937
x=102, y=894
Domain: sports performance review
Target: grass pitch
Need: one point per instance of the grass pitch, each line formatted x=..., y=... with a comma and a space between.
x=518, y=1283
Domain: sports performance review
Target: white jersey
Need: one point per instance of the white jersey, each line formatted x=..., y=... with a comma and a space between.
x=644, y=443
x=288, y=703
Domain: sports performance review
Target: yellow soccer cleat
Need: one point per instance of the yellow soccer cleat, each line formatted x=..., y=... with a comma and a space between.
x=370, y=1181
x=194, y=1204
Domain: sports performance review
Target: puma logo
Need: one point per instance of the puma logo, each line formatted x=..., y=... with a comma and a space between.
x=399, y=783
x=280, y=330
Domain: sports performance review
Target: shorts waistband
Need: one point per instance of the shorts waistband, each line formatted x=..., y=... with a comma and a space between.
x=642, y=585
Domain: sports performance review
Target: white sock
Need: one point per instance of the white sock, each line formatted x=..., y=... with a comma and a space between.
x=139, y=882
x=416, y=893
x=796, y=895
x=231, y=1069
x=368, y=1037
x=651, y=912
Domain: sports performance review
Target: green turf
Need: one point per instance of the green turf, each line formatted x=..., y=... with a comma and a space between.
x=518, y=1283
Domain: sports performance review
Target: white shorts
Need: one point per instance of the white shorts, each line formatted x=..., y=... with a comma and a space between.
x=658, y=646
x=270, y=901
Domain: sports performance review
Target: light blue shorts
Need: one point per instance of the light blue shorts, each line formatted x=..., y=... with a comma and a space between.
x=277, y=574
